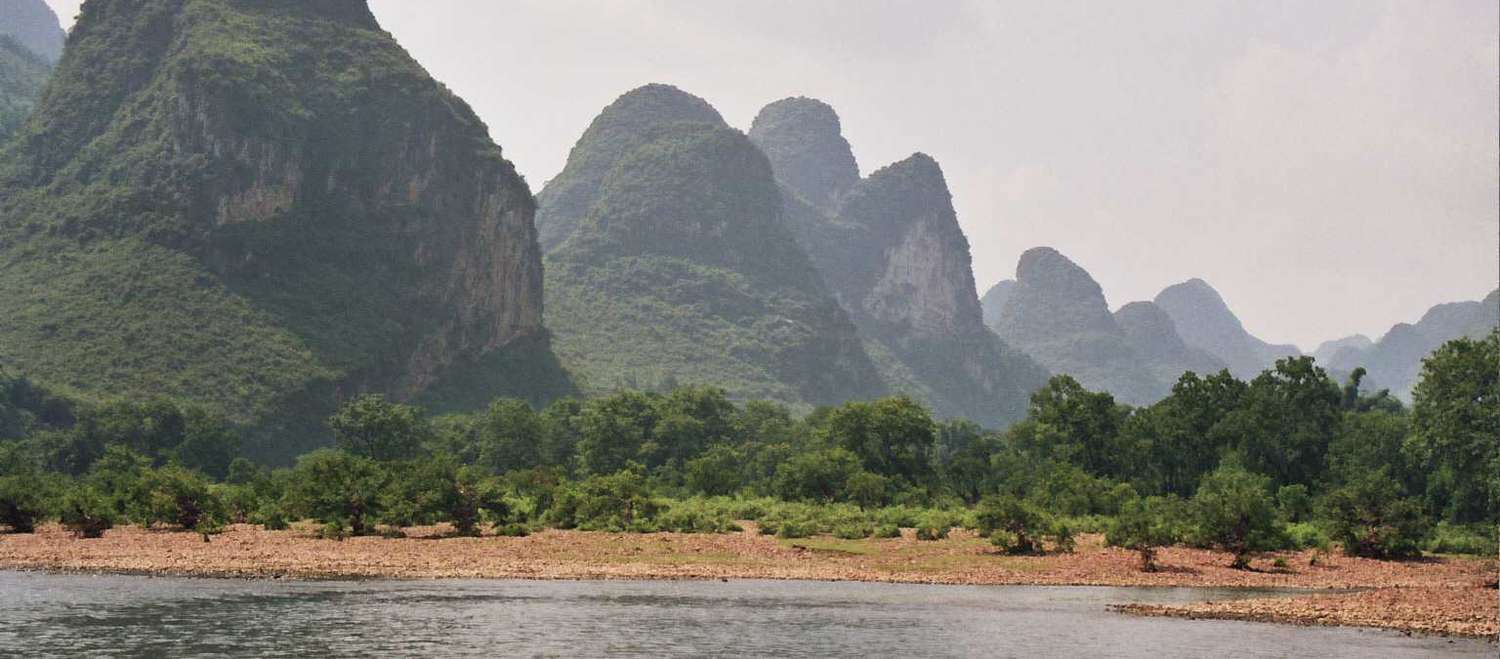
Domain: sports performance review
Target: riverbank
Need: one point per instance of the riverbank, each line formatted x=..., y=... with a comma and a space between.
x=251, y=552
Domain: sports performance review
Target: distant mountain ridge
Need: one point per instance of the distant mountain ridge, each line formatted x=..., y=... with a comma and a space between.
x=1056, y=313
x=1395, y=361
x=1205, y=322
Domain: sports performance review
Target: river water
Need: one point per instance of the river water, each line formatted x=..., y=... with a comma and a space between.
x=83, y=615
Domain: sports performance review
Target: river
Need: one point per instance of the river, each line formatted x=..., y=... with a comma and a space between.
x=102, y=615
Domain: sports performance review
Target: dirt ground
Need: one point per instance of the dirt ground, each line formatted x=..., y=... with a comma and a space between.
x=1434, y=595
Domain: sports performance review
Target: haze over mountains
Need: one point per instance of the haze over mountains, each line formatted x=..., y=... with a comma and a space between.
x=265, y=209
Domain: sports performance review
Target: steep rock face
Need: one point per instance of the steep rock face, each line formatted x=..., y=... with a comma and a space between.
x=618, y=130
x=34, y=25
x=805, y=143
x=1057, y=314
x=890, y=248
x=22, y=76
x=255, y=206
x=994, y=301
x=903, y=270
x=684, y=271
x=1154, y=336
x=1204, y=321
x=1395, y=362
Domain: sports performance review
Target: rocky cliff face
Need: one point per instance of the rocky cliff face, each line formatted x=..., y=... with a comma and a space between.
x=1205, y=322
x=890, y=248
x=683, y=270
x=618, y=130
x=1395, y=362
x=1057, y=314
x=805, y=143
x=247, y=204
x=34, y=25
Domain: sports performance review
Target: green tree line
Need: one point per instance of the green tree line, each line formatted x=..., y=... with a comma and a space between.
x=1290, y=459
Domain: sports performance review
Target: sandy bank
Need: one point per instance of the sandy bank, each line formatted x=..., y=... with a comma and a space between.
x=1421, y=587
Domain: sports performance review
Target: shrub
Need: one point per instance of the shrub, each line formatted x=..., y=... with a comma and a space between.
x=795, y=529
x=1143, y=525
x=1370, y=518
x=177, y=496
x=932, y=532
x=86, y=513
x=1022, y=522
x=1293, y=502
x=617, y=502
x=853, y=531
x=1476, y=540
x=1235, y=514
x=887, y=531
x=512, y=530
x=1306, y=535
x=22, y=502
x=333, y=486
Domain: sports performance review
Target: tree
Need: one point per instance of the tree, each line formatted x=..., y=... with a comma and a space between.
x=1143, y=525
x=1456, y=419
x=1013, y=525
x=615, y=430
x=816, y=476
x=338, y=487
x=1371, y=517
x=1234, y=512
x=1290, y=415
x=719, y=471
x=891, y=436
x=175, y=495
x=1178, y=432
x=509, y=435
x=1079, y=426
x=372, y=427
x=614, y=502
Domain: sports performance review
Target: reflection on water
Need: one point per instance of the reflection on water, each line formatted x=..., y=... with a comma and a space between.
x=73, y=615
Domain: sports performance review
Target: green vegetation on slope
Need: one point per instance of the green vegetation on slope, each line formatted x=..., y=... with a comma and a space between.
x=683, y=272
x=248, y=205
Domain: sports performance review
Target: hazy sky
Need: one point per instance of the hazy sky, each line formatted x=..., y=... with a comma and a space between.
x=1330, y=166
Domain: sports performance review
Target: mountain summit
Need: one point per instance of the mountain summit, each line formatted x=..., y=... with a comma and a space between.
x=1205, y=322
x=251, y=205
x=891, y=249
x=681, y=269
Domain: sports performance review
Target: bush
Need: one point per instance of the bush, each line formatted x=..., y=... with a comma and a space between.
x=1370, y=518
x=86, y=513
x=617, y=502
x=512, y=530
x=1235, y=513
x=177, y=496
x=333, y=486
x=1022, y=523
x=22, y=502
x=887, y=531
x=854, y=531
x=932, y=532
x=1306, y=535
x=1144, y=525
x=1475, y=540
x=795, y=529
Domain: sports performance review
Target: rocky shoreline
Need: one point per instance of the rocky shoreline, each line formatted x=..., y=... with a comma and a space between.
x=1432, y=596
